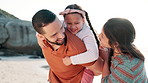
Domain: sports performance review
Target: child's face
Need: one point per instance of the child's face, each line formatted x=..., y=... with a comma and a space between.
x=74, y=22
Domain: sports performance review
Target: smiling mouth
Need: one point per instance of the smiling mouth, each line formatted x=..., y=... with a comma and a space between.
x=60, y=40
x=73, y=31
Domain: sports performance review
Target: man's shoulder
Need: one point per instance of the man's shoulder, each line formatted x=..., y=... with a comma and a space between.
x=74, y=43
x=70, y=36
x=72, y=39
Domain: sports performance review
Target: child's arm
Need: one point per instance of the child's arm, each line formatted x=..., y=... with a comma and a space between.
x=90, y=55
x=97, y=67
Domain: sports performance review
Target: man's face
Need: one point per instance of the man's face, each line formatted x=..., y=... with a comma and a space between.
x=54, y=33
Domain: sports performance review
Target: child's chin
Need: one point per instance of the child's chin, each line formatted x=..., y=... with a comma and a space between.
x=74, y=33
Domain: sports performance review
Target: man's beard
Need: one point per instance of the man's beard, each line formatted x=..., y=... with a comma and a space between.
x=56, y=43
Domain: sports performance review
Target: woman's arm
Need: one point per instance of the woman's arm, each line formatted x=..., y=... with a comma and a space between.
x=120, y=74
x=105, y=57
x=105, y=70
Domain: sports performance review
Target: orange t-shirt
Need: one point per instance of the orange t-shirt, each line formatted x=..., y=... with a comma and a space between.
x=60, y=73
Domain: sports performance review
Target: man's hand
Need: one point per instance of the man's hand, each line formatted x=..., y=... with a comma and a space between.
x=67, y=61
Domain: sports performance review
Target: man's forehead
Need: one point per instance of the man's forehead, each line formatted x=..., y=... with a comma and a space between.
x=56, y=22
x=53, y=27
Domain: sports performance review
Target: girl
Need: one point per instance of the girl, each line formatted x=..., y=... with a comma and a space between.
x=127, y=62
x=74, y=18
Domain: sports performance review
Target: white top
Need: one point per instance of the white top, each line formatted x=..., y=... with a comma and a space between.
x=92, y=53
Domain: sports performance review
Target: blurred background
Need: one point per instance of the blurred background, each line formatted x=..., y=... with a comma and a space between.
x=18, y=37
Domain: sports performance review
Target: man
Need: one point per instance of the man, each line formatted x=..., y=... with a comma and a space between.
x=60, y=43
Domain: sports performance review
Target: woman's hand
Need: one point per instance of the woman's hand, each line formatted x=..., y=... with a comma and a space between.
x=104, y=53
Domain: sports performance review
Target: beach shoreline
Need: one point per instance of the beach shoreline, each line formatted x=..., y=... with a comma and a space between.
x=23, y=69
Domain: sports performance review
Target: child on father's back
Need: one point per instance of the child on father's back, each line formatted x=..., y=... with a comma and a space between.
x=74, y=19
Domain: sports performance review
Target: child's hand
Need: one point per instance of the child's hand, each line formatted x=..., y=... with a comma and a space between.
x=67, y=61
x=40, y=40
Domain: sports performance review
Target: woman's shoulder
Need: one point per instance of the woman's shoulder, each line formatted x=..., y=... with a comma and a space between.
x=129, y=62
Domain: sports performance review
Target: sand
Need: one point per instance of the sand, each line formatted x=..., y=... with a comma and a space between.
x=22, y=69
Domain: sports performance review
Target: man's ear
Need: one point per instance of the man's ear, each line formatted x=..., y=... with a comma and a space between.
x=40, y=36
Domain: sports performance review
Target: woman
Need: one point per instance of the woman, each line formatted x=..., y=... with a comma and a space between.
x=127, y=62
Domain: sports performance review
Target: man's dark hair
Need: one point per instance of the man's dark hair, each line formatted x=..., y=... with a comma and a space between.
x=41, y=19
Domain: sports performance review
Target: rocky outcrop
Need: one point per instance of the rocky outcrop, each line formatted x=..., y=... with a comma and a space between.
x=19, y=36
x=2, y=16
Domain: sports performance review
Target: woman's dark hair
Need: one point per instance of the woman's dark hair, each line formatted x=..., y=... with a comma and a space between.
x=75, y=6
x=121, y=31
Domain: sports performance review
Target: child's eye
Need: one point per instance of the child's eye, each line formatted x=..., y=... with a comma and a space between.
x=76, y=23
x=68, y=23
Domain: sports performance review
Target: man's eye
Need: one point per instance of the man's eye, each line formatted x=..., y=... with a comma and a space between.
x=53, y=35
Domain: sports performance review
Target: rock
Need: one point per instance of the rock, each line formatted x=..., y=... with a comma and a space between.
x=2, y=16
x=19, y=36
x=3, y=34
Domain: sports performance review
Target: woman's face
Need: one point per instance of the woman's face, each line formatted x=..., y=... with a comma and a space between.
x=104, y=41
x=74, y=22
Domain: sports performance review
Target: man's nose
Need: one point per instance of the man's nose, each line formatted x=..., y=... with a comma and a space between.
x=61, y=35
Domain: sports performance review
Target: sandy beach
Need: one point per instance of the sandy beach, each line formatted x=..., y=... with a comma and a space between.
x=22, y=69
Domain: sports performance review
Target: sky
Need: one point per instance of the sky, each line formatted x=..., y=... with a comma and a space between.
x=99, y=12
